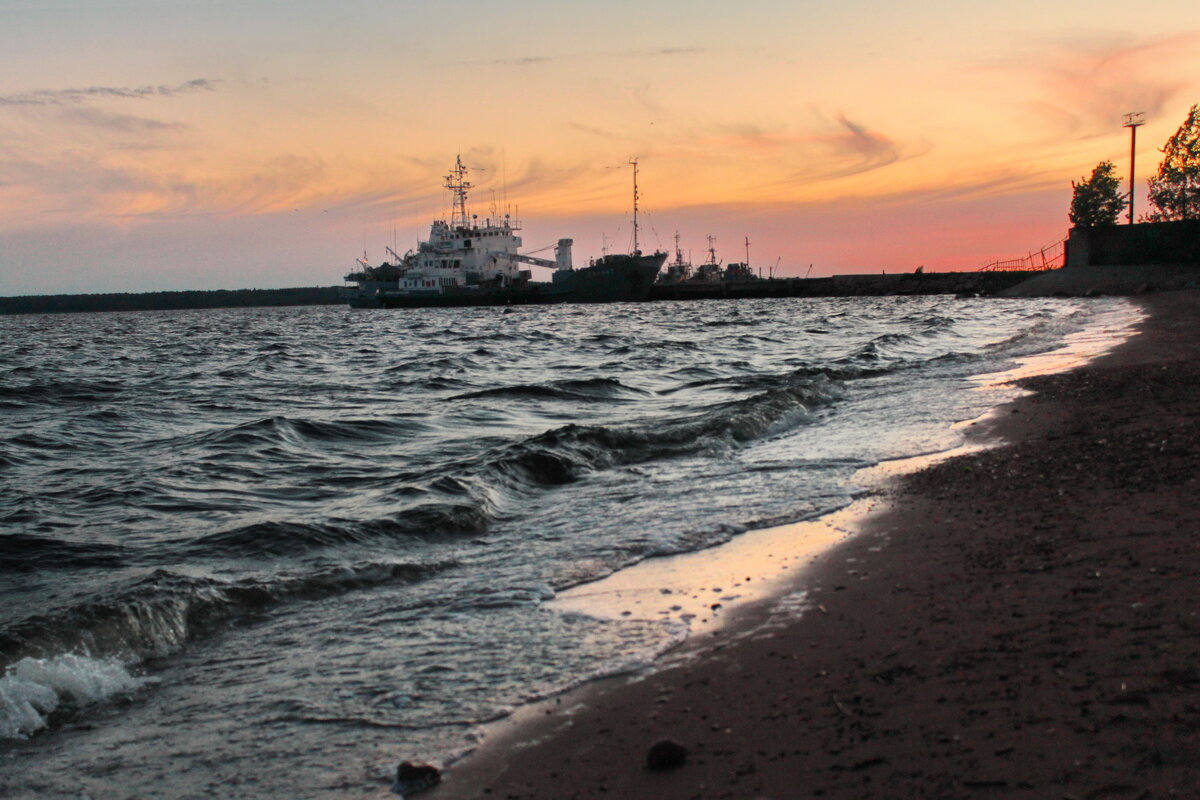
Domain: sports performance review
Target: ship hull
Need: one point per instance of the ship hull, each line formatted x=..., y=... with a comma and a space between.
x=614, y=279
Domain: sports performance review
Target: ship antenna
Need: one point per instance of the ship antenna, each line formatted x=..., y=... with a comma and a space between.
x=636, y=251
x=455, y=183
x=747, y=252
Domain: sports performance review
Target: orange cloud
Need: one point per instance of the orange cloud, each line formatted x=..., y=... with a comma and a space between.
x=1085, y=85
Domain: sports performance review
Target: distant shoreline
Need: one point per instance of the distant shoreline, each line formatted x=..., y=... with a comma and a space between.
x=171, y=301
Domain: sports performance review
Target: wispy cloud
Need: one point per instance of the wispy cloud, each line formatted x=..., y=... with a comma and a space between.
x=603, y=133
x=522, y=61
x=75, y=176
x=124, y=185
x=643, y=95
x=117, y=123
x=60, y=97
x=845, y=147
x=873, y=149
x=528, y=61
x=1087, y=83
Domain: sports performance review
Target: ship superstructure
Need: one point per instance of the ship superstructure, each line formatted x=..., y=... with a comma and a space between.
x=463, y=252
x=465, y=262
x=678, y=270
x=740, y=272
x=710, y=270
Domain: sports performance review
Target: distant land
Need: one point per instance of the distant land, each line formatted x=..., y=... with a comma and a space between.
x=166, y=301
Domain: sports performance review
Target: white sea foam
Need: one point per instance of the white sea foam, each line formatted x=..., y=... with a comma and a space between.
x=33, y=688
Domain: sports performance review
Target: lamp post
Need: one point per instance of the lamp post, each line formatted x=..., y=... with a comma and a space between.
x=1132, y=121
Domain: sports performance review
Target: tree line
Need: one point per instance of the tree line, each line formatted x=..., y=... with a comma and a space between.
x=1174, y=191
x=164, y=301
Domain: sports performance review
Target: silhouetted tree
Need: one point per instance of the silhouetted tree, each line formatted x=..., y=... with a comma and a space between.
x=1175, y=190
x=1097, y=200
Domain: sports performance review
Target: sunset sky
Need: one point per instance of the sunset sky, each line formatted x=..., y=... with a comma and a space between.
x=196, y=144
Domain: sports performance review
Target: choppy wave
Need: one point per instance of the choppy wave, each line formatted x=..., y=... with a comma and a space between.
x=59, y=392
x=24, y=552
x=430, y=520
x=565, y=454
x=280, y=429
x=587, y=389
x=156, y=615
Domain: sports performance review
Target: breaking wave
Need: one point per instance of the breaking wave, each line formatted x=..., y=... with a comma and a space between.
x=33, y=690
x=565, y=454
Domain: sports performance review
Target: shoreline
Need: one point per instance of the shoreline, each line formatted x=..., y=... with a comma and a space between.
x=947, y=650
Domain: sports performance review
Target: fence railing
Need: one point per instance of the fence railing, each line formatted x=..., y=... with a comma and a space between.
x=1050, y=257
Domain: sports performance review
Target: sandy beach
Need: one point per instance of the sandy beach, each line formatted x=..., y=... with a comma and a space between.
x=1020, y=621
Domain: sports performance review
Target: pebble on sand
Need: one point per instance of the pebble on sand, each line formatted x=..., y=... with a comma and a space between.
x=666, y=754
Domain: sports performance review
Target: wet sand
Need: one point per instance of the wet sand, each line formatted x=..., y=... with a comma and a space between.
x=1022, y=621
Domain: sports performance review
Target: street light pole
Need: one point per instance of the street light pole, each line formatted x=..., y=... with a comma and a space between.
x=1132, y=121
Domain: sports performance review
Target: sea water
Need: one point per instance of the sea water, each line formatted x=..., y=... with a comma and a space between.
x=273, y=552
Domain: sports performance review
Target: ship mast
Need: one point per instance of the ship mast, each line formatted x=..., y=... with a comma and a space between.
x=636, y=251
x=457, y=184
x=678, y=252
